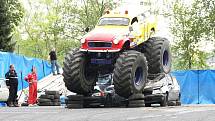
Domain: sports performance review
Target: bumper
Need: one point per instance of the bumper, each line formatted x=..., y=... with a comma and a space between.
x=87, y=50
x=153, y=98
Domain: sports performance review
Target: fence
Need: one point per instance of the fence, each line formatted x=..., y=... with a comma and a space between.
x=23, y=66
x=197, y=86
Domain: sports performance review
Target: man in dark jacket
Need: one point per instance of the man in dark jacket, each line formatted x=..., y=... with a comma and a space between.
x=53, y=58
x=12, y=84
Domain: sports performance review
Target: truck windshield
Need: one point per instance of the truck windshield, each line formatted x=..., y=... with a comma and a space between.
x=114, y=21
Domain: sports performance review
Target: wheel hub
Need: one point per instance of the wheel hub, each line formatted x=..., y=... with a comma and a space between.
x=138, y=76
x=165, y=58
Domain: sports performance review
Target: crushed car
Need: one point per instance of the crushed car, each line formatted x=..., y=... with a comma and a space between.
x=4, y=91
x=104, y=94
x=163, y=90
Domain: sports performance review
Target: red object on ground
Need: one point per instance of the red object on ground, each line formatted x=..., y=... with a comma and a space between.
x=32, y=79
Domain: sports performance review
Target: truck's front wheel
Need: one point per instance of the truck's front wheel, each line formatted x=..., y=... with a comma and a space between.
x=130, y=73
x=79, y=75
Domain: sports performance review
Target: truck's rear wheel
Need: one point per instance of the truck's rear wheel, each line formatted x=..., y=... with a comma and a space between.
x=130, y=73
x=79, y=76
x=157, y=52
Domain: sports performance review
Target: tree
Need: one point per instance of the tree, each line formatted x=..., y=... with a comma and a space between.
x=209, y=8
x=189, y=30
x=58, y=24
x=11, y=13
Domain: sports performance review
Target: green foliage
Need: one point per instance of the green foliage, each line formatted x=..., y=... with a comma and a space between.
x=11, y=13
x=58, y=24
x=190, y=29
x=209, y=8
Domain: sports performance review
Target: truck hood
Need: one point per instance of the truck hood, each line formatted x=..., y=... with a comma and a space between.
x=107, y=34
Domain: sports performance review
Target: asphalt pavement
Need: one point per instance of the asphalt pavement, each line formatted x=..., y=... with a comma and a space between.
x=156, y=113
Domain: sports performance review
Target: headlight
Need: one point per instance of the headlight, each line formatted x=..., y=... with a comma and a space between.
x=117, y=39
x=83, y=40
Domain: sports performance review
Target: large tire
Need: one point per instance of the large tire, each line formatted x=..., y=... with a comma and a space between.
x=130, y=73
x=79, y=76
x=157, y=52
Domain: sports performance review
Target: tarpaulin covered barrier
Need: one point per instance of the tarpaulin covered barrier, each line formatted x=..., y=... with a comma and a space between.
x=23, y=66
x=197, y=86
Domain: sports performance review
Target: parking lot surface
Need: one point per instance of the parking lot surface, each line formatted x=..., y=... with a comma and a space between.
x=155, y=113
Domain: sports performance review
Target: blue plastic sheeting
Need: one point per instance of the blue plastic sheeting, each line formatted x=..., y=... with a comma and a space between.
x=3, y=104
x=197, y=86
x=23, y=66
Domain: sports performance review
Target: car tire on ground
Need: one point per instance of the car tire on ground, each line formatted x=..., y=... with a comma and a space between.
x=136, y=103
x=41, y=100
x=75, y=97
x=56, y=100
x=108, y=101
x=52, y=92
x=74, y=102
x=136, y=97
x=79, y=75
x=46, y=97
x=92, y=101
x=74, y=106
x=24, y=104
x=118, y=101
x=171, y=103
x=130, y=73
x=178, y=103
x=164, y=101
x=56, y=103
x=91, y=98
x=46, y=104
x=57, y=96
x=148, y=104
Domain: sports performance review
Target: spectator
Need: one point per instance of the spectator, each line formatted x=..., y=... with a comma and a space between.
x=53, y=58
x=12, y=84
x=32, y=80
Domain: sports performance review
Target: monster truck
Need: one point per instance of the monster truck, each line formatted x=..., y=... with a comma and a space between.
x=120, y=44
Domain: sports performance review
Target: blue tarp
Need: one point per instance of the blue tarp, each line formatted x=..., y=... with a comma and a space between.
x=23, y=65
x=197, y=86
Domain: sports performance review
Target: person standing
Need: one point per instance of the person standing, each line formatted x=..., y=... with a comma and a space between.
x=12, y=84
x=32, y=80
x=53, y=58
